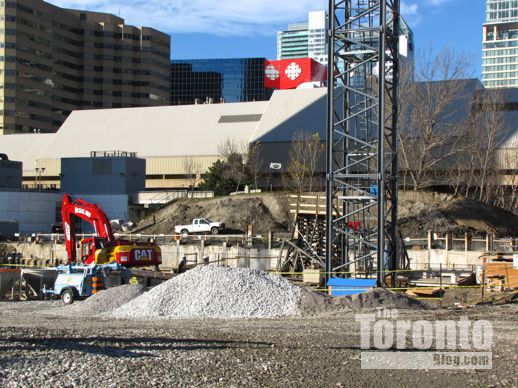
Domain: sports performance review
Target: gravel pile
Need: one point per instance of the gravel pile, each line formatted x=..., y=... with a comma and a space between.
x=105, y=301
x=216, y=292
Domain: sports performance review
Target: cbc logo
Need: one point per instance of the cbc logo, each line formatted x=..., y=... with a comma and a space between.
x=293, y=71
x=271, y=72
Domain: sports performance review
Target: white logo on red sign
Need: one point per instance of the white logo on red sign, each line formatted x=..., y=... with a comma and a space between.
x=293, y=71
x=271, y=72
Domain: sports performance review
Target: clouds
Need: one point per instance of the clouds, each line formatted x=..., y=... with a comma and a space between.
x=242, y=17
x=231, y=18
x=414, y=11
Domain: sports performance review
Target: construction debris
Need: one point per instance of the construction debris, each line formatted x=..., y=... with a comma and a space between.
x=216, y=292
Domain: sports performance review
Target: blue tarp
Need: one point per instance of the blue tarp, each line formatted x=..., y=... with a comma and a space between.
x=341, y=286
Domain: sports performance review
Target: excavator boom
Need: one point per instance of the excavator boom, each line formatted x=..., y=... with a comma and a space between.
x=87, y=211
x=103, y=248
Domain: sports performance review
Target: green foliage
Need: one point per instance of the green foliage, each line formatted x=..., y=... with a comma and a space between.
x=224, y=177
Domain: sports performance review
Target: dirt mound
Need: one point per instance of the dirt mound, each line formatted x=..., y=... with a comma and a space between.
x=314, y=303
x=264, y=212
x=380, y=297
x=418, y=213
x=442, y=213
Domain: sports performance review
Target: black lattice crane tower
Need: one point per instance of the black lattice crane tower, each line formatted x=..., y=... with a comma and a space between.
x=362, y=112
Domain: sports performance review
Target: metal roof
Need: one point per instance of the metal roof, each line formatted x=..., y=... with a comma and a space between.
x=26, y=148
x=156, y=131
x=290, y=111
x=173, y=130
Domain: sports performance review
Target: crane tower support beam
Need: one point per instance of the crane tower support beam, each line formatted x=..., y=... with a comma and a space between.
x=362, y=112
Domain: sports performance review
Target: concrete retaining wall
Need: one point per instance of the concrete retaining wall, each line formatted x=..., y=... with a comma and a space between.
x=239, y=256
x=433, y=258
x=49, y=253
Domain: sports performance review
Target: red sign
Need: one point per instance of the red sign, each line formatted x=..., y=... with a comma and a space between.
x=290, y=73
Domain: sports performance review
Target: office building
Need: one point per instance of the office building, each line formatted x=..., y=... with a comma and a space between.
x=500, y=44
x=55, y=60
x=200, y=81
x=304, y=40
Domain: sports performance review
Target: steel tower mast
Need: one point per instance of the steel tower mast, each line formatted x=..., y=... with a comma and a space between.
x=362, y=111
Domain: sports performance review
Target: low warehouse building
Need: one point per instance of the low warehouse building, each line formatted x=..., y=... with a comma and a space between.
x=173, y=139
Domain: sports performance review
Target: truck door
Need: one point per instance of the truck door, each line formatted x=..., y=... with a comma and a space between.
x=204, y=226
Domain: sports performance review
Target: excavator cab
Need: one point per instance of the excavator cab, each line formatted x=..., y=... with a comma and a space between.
x=89, y=247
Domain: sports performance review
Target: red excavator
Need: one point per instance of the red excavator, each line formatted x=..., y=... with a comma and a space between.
x=103, y=247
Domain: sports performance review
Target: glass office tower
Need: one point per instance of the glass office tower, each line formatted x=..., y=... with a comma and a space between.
x=500, y=44
x=217, y=80
x=304, y=40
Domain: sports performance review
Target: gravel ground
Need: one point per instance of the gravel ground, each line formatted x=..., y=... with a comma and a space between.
x=40, y=348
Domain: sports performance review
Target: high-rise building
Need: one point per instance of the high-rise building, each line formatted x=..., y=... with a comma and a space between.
x=55, y=60
x=217, y=80
x=304, y=40
x=500, y=44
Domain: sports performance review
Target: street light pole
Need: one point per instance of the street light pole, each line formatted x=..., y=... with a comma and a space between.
x=39, y=171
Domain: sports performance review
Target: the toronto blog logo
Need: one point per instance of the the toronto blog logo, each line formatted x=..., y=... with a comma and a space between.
x=388, y=341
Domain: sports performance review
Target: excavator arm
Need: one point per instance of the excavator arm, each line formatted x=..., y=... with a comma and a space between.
x=90, y=212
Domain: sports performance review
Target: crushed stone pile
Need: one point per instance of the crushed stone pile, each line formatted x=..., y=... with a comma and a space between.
x=216, y=292
x=105, y=301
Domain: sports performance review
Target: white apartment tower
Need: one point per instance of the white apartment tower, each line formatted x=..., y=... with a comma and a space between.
x=304, y=40
x=500, y=44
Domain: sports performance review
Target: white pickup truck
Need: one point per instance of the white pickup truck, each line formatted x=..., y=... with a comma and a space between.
x=200, y=225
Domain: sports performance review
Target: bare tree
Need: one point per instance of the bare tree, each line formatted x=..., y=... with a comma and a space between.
x=432, y=136
x=305, y=152
x=235, y=155
x=192, y=169
x=487, y=126
x=255, y=161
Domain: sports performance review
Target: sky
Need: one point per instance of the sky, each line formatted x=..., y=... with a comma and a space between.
x=248, y=28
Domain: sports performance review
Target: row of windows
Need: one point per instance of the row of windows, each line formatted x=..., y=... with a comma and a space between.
x=512, y=82
x=496, y=53
x=492, y=61
x=511, y=74
x=32, y=116
x=502, y=16
x=512, y=43
x=500, y=68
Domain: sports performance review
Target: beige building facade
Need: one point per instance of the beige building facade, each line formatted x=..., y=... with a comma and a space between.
x=55, y=60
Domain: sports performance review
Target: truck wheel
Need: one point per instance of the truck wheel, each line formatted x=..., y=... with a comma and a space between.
x=184, y=233
x=67, y=296
x=214, y=230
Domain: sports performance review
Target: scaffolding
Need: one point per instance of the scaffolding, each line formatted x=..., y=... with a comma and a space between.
x=361, y=170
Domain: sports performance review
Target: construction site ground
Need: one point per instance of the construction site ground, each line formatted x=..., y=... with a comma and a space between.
x=42, y=349
x=419, y=212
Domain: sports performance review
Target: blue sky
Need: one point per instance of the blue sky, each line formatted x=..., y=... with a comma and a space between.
x=247, y=28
